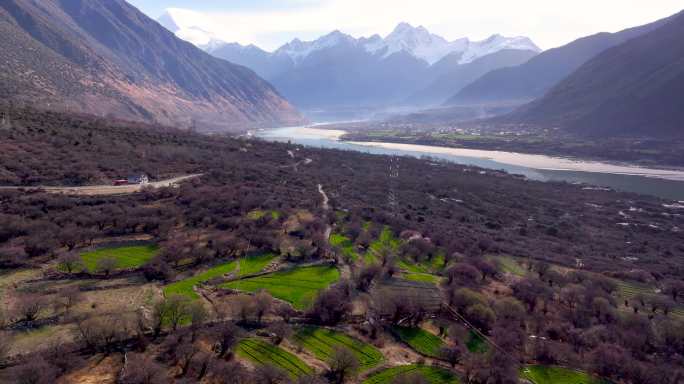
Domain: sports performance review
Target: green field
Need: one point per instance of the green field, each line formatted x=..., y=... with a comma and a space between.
x=420, y=340
x=254, y=264
x=542, y=374
x=321, y=343
x=298, y=286
x=421, y=277
x=126, y=257
x=345, y=245
x=258, y=214
x=511, y=265
x=433, y=375
x=263, y=353
x=185, y=287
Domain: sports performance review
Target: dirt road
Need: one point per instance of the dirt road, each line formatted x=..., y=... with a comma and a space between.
x=107, y=190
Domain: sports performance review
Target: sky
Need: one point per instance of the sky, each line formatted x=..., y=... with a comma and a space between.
x=271, y=23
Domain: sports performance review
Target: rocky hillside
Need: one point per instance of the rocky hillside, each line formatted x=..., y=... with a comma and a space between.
x=104, y=57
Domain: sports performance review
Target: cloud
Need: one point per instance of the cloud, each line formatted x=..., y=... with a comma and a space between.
x=548, y=23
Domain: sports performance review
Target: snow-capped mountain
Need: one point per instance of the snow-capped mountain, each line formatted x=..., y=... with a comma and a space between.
x=416, y=41
x=338, y=70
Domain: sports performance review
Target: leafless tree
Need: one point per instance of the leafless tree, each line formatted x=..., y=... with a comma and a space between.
x=34, y=371
x=29, y=306
x=263, y=303
x=226, y=335
x=281, y=331
x=71, y=262
x=141, y=369
x=343, y=364
x=5, y=344
x=268, y=374
x=107, y=265
x=66, y=298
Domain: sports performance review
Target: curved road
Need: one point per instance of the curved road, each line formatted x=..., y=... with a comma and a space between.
x=107, y=190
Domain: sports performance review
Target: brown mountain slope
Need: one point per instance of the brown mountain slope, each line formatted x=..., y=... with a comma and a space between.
x=633, y=89
x=107, y=58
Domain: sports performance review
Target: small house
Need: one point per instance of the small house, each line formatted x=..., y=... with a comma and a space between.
x=139, y=179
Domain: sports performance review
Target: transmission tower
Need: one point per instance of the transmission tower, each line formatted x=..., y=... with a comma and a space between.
x=392, y=196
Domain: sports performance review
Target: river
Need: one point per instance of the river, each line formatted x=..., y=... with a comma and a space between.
x=668, y=184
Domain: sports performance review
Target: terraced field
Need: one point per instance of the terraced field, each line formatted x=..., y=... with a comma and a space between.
x=420, y=340
x=433, y=375
x=126, y=257
x=186, y=287
x=263, y=353
x=254, y=264
x=542, y=374
x=427, y=293
x=297, y=286
x=321, y=342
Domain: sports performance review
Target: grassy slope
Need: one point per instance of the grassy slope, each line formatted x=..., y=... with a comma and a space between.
x=185, y=287
x=433, y=375
x=254, y=264
x=298, y=286
x=127, y=257
x=265, y=353
x=321, y=343
x=541, y=374
x=420, y=340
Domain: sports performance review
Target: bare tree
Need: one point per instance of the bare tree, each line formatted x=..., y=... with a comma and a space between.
x=66, y=298
x=107, y=265
x=176, y=310
x=29, y=306
x=70, y=262
x=268, y=374
x=101, y=333
x=141, y=369
x=263, y=303
x=343, y=364
x=34, y=371
x=5, y=344
x=280, y=331
x=226, y=335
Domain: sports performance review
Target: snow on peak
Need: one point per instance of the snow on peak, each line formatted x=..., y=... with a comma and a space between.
x=299, y=50
x=188, y=25
x=496, y=43
x=417, y=41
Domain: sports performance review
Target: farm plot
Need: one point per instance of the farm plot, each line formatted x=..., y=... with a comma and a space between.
x=433, y=375
x=420, y=340
x=321, y=342
x=186, y=287
x=298, y=286
x=426, y=293
x=542, y=374
x=263, y=353
x=126, y=257
x=345, y=245
x=254, y=264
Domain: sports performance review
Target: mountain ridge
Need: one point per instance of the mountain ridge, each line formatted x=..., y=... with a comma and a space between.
x=532, y=79
x=340, y=71
x=632, y=89
x=109, y=59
